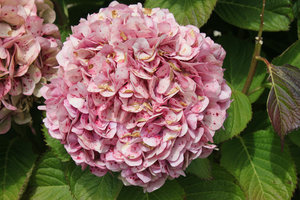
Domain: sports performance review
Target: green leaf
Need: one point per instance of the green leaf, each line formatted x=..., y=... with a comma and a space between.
x=55, y=145
x=222, y=186
x=201, y=168
x=294, y=149
x=295, y=137
x=16, y=165
x=246, y=14
x=132, y=193
x=298, y=28
x=186, y=12
x=237, y=62
x=51, y=180
x=283, y=103
x=289, y=56
x=65, y=31
x=170, y=190
x=297, y=14
x=85, y=185
x=260, y=121
x=239, y=114
x=262, y=169
x=57, y=180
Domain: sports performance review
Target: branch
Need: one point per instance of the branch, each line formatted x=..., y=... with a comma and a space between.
x=257, y=49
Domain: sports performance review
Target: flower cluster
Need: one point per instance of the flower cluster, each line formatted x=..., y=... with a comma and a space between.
x=137, y=93
x=28, y=46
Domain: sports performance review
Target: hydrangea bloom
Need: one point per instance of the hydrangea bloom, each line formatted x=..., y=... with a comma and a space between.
x=137, y=93
x=28, y=47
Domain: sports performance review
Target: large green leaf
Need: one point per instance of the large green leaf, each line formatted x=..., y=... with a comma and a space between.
x=260, y=121
x=262, y=169
x=200, y=167
x=51, y=179
x=133, y=193
x=284, y=98
x=239, y=114
x=246, y=14
x=60, y=180
x=56, y=147
x=297, y=14
x=170, y=190
x=289, y=56
x=85, y=185
x=295, y=137
x=237, y=62
x=194, y=12
x=221, y=186
x=16, y=165
x=294, y=149
x=298, y=25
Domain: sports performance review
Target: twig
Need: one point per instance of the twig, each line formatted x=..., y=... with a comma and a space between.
x=257, y=49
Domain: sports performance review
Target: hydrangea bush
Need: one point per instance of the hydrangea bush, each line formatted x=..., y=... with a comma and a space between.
x=137, y=93
x=119, y=101
x=29, y=44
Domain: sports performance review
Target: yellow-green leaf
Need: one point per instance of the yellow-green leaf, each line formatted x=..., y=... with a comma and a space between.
x=262, y=169
x=186, y=12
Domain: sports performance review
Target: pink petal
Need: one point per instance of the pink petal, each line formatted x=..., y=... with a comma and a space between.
x=75, y=101
x=136, y=162
x=144, y=176
x=142, y=50
x=126, y=91
x=177, y=148
x=98, y=171
x=163, y=85
x=192, y=121
x=214, y=118
x=30, y=79
x=139, y=86
x=5, y=30
x=34, y=24
x=200, y=106
x=155, y=185
x=27, y=50
x=151, y=141
x=212, y=88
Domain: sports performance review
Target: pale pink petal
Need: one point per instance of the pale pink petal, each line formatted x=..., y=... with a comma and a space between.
x=5, y=30
x=163, y=85
x=27, y=50
x=214, y=118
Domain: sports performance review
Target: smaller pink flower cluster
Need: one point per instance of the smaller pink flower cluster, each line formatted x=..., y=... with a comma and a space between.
x=137, y=93
x=28, y=47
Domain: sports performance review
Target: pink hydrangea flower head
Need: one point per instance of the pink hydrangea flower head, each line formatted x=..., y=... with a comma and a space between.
x=138, y=94
x=28, y=47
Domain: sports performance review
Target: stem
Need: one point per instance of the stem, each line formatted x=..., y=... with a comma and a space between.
x=264, y=60
x=267, y=85
x=257, y=49
x=61, y=12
